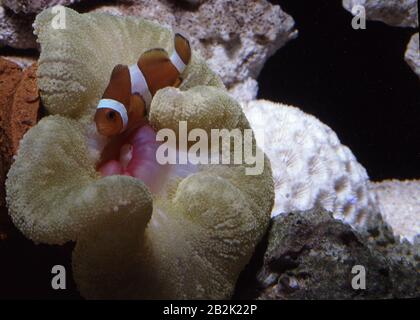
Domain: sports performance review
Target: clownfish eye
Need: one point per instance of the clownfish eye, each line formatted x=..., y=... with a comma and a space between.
x=111, y=115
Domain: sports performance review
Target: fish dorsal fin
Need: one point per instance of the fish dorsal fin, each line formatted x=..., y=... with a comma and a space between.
x=183, y=48
x=155, y=56
x=157, y=69
x=119, y=86
x=118, y=70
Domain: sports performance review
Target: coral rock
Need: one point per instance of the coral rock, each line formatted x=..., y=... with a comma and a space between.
x=10, y=76
x=412, y=54
x=194, y=2
x=23, y=61
x=16, y=30
x=310, y=166
x=245, y=91
x=34, y=6
x=401, y=13
x=310, y=255
x=19, y=108
x=25, y=110
x=237, y=37
x=399, y=202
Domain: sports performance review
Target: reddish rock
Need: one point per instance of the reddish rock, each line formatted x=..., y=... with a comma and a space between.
x=24, y=112
x=19, y=111
x=10, y=76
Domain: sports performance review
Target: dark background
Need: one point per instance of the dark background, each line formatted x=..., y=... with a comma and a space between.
x=356, y=81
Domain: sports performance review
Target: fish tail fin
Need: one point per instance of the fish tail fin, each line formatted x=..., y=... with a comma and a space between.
x=183, y=48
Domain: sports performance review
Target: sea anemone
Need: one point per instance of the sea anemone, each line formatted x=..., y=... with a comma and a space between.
x=188, y=237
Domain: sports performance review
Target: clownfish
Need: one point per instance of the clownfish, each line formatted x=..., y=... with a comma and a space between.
x=129, y=93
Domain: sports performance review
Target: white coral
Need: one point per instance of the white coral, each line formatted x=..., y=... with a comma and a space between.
x=310, y=165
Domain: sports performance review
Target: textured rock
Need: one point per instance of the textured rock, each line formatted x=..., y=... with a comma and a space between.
x=16, y=31
x=412, y=54
x=22, y=60
x=194, y=2
x=19, y=111
x=34, y=6
x=245, y=91
x=401, y=13
x=235, y=37
x=24, y=112
x=10, y=75
x=399, y=203
x=310, y=255
x=403, y=251
x=310, y=166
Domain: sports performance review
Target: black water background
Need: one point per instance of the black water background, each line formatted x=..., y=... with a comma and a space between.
x=355, y=81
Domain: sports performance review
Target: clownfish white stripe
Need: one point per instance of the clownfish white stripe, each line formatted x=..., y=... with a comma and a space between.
x=139, y=84
x=116, y=106
x=177, y=62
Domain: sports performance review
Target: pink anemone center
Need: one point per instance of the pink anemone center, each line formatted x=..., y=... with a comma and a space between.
x=134, y=155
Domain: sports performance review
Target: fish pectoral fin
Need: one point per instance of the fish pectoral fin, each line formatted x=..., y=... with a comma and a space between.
x=177, y=82
x=137, y=107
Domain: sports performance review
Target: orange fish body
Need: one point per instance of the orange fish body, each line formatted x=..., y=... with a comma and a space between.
x=127, y=97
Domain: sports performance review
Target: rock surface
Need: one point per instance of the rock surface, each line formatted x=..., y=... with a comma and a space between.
x=400, y=13
x=194, y=2
x=19, y=111
x=245, y=91
x=16, y=30
x=24, y=112
x=310, y=255
x=412, y=54
x=10, y=75
x=399, y=203
x=34, y=6
x=22, y=59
